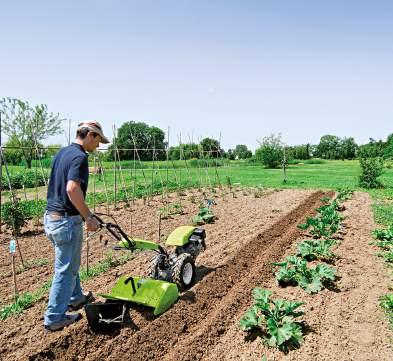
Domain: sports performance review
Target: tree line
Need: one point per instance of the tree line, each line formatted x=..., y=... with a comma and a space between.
x=28, y=126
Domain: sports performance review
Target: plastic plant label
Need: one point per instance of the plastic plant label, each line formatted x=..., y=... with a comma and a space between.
x=12, y=246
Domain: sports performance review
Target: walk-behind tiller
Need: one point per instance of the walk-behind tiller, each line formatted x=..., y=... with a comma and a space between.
x=169, y=272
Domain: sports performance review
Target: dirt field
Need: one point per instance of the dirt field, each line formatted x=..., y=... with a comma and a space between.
x=343, y=323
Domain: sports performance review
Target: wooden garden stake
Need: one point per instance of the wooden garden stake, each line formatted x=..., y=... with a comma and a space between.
x=87, y=252
x=114, y=158
x=159, y=228
x=24, y=191
x=12, y=251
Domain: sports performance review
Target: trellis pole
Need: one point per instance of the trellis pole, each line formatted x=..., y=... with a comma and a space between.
x=153, y=167
x=167, y=162
x=1, y=175
x=134, y=182
x=121, y=176
x=13, y=199
x=12, y=251
x=139, y=158
x=105, y=186
x=114, y=153
x=94, y=182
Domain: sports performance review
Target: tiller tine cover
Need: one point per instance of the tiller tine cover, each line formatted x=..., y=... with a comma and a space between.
x=160, y=295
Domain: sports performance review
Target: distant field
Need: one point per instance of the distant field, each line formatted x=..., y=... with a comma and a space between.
x=327, y=175
x=168, y=176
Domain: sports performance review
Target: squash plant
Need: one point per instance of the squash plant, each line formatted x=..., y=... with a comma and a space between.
x=326, y=223
x=316, y=249
x=205, y=215
x=295, y=271
x=275, y=318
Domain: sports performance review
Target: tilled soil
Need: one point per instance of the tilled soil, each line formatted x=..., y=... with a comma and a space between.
x=342, y=323
x=239, y=220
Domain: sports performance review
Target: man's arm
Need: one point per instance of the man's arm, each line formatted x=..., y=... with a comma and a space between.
x=75, y=194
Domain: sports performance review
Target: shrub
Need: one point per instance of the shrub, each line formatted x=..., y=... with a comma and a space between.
x=370, y=170
x=270, y=152
x=13, y=216
x=28, y=178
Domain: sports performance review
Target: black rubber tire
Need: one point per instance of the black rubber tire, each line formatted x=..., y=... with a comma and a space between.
x=177, y=271
x=154, y=266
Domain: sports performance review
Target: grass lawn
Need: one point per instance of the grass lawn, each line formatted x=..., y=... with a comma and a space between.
x=162, y=175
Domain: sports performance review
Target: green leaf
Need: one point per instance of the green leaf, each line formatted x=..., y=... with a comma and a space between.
x=279, y=335
x=325, y=272
x=314, y=287
x=249, y=320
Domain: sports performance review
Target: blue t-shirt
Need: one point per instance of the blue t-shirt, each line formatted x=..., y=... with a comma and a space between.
x=70, y=163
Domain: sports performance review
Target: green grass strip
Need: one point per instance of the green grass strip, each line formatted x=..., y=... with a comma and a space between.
x=27, y=299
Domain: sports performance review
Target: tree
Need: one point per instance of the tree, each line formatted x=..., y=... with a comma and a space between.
x=388, y=151
x=348, y=148
x=184, y=151
x=298, y=152
x=28, y=125
x=372, y=149
x=12, y=152
x=328, y=147
x=230, y=154
x=270, y=152
x=242, y=152
x=211, y=148
x=138, y=135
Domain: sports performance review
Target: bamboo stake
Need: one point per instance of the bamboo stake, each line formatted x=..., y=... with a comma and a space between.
x=121, y=176
x=114, y=153
x=12, y=251
x=13, y=199
x=139, y=158
x=105, y=186
x=134, y=185
x=87, y=252
x=94, y=183
x=167, y=163
x=1, y=175
x=152, y=171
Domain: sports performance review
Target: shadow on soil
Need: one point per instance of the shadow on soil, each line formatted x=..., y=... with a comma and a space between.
x=202, y=272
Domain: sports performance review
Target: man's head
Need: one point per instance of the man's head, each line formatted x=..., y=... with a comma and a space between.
x=91, y=135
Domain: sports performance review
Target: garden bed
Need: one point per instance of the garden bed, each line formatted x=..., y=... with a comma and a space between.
x=343, y=323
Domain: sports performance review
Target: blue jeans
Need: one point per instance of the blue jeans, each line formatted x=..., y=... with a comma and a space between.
x=66, y=235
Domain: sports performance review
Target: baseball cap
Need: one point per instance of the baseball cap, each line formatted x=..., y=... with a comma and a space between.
x=95, y=127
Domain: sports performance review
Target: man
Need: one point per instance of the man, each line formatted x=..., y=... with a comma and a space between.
x=65, y=211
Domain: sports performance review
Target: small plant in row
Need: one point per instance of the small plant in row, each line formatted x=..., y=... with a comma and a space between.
x=275, y=320
x=344, y=194
x=312, y=250
x=205, y=215
x=295, y=271
x=170, y=210
x=384, y=240
x=386, y=303
x=326, y=223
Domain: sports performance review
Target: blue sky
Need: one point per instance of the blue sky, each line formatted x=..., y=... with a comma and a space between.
x=236, y=69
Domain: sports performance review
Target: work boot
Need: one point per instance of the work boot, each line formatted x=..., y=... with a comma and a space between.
x=76, y=305
x=68, y=320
